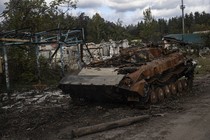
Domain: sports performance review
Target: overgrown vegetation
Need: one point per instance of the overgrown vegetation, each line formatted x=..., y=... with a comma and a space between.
x=203, y=66
x=23, y=69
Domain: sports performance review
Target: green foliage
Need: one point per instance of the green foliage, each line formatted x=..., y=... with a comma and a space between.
x=24, y=13
x=149, y=31
x=98, y=29
x=38, y=16
x=49, y=75
x=148, y=18
x=35, y=14
x=203, y=66
x=23, y=68
x=68, y=3
x=149, y=25
x=97, y=26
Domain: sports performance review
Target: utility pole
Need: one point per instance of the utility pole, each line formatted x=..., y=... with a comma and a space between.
x=182, y=7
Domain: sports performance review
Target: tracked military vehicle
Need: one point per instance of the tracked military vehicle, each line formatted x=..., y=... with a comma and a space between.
x=140, y=74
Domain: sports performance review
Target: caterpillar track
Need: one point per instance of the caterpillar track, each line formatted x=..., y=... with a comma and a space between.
x=148, y=74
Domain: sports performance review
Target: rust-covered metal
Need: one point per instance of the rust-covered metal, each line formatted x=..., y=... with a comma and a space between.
x=137, y=74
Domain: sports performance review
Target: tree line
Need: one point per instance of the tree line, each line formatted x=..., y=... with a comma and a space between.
x=39, y=16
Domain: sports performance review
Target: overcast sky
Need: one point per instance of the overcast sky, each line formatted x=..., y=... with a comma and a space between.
x=131, y=11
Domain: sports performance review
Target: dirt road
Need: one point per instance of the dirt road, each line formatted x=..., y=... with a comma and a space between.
x=192, y=122
x=51, y=117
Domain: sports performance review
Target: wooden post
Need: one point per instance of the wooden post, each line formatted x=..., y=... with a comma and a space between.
x=6, y=68
x=107, y=126
x=37, y=60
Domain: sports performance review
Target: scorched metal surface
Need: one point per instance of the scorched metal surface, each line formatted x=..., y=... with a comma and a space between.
x=147, y=74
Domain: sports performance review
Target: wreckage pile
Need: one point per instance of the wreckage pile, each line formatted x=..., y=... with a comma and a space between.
x=139, y=74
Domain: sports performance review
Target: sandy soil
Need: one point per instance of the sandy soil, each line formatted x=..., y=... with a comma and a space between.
x=52, y=115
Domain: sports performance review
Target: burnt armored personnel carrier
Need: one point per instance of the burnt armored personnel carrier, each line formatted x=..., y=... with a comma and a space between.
x=141, y=74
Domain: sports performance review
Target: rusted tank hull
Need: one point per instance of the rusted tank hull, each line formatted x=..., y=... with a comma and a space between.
x=148, y=74
x=92, y=87
x=99, y=93
x=95, y=88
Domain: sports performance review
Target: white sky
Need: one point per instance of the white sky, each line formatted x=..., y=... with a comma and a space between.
x=131, y=11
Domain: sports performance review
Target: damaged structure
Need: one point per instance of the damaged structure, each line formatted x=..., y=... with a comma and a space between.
x=142, y=74
x=190, y=43
x=71, y=55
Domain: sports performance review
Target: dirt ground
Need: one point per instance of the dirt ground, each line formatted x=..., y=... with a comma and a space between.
x=52, y=115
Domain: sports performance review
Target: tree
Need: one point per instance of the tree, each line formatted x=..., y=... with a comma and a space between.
x=175, y=25
x=148, y=18
x=38, y=16
x=149, y=23
x=23, y=13
x=189, y=22
x=96, y=28
x=33, y=13
x=162, y=25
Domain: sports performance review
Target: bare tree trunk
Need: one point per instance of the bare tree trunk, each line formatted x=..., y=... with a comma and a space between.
x=107, y=126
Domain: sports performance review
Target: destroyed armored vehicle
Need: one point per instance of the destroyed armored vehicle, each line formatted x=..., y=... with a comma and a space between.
x=141, y=74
